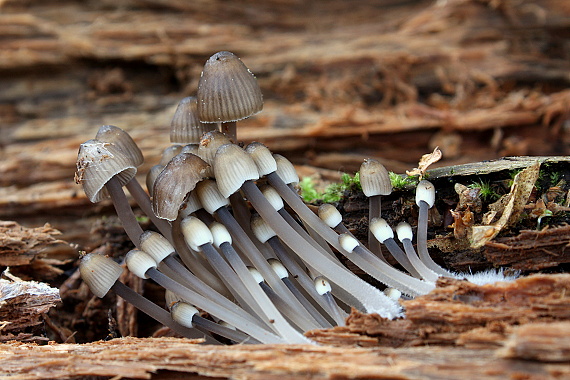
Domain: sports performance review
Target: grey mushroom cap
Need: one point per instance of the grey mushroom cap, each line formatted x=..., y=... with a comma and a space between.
x=374, y=178
x=124, y=141
x=227, y=90
x=97, y=163
x=186, y=127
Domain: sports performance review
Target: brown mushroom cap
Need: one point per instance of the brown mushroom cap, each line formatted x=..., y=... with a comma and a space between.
x=186, y=127
x=117, y=136
x=227, y=90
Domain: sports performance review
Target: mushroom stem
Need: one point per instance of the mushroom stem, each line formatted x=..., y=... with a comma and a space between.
x=124, y=210
x=229, y=128
x=375, y=211
x=422, y=241
x=202, y=302
x=401, y=257
x=157, y=312
x=370, y=297
x=426, y=273
x=269, y=311
x=142, y=199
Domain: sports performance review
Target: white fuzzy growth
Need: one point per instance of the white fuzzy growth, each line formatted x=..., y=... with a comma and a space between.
x=220, y=234
x=273, y=197
x=404, y=231
x=381, y=229
x=156, y=245
x=261, y=229
x=278, y=268
x=183, y=313
x=347, y=242
x=425, y=192
x=263, y=158
x=139, y=262
x=489, y=276
x=195, y=232
x=322, y=286
x=330, y=215
x=256, y=275
x=210, y=196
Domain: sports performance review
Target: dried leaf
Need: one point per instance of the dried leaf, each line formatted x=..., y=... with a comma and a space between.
x=514, y=204
x=425, y=162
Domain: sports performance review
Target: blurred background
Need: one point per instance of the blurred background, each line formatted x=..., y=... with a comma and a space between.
x=342, y=81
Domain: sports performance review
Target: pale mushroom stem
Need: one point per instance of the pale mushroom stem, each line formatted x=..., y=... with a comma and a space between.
x=375, y=211
x=204, y=303
x=124, y=210
x=229, y=128
x=142, y=199
x=426, y=273
x=158, y=313
x=369, y=296
x=422, y=241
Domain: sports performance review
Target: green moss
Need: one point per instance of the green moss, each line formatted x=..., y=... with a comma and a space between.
x=400, y=182
x=487, y=191
x=333, y=192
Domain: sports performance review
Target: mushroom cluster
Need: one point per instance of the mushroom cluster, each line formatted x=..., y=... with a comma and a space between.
x=233, y=238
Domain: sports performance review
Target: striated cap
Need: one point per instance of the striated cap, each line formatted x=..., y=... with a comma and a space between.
x=232, y=167
x=285, y=170
x=97, y=163
x=263, y=158
x=196, y=233
x=381, y=229
x=208, y=147
x=210, y=197
x=186, y=127
x=227, y=90
x=176, y=180
x=169, y=153
x=99, y=273
x=330, y=215
x=151, y=177
x=374, y=178
x=261, y=230
x=115, y=135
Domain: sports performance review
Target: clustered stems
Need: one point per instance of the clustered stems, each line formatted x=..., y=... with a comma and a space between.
x=231, y=248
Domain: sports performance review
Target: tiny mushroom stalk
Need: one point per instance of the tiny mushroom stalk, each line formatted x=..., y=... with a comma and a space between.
x=405, y=234
x=323, y=288
x=227, y=92
x=144, y=266
x=384, y=234
x=425, y=199
x=375, y=182
x=101, y=274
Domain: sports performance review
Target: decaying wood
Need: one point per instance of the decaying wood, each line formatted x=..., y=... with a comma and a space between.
x=144, y=358
x=531, y=250
x=460, y=313
x=22, y=306
x=545, y=342
x=20, y=245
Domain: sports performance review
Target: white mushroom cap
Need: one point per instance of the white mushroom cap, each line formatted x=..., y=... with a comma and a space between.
x=99, y=273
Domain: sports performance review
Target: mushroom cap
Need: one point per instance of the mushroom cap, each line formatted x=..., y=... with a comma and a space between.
x=186, y=127
x=176, y=180
x=99, y=273
x=227, y=90
x=425, y=191
x=124, y=141
x=97, y=163
x=232, y=167
x=374, y=178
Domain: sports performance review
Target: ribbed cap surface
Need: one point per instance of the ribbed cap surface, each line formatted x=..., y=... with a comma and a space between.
x=99, y=273
x=97, y=163
x=374, y=178
x=115, y=135
x=232, y=167
x=186, y=127
x=227, y=90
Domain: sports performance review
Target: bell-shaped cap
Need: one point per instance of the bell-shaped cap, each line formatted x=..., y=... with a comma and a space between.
x=97, y=163
x=176, y=180
x=99, y=273
x=227, y=90
x=186, y=127
x=263, y=158
x=374, y=178
x=285, y=170
x=232, y=167
x=124, y=141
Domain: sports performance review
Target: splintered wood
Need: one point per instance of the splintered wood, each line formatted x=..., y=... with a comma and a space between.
x=149, y=358
x=460, y=313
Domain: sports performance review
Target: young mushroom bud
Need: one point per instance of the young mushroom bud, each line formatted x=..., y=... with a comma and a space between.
x=99, y=273
x=233, y=166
